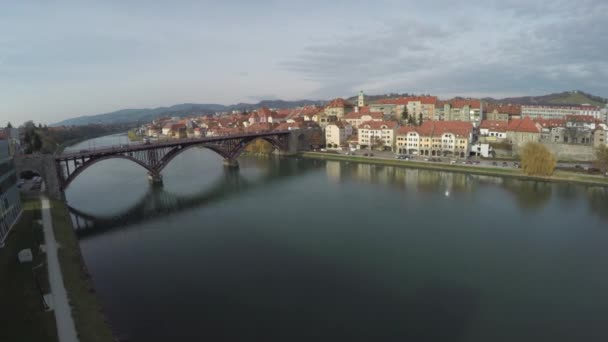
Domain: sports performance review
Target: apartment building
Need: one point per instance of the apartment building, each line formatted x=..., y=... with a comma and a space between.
x=436, y=138
x=10, y=203
x=377, y=134
x=560, y=112
x=337, y=133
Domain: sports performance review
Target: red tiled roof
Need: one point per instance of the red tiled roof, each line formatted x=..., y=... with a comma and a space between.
x=264, y=112
x=492, y=124
x=523, y=125
x=510, y=109
x=405, y=130
x=373, y=115
x=287, y=125
x=260, y=127
x=376, y=125
x=551, y=122
x=581, y=118
x=340, y=124
x=339, y=103
x=285, y=112
x=437, y=128
x=459, y=103
x=406, y=100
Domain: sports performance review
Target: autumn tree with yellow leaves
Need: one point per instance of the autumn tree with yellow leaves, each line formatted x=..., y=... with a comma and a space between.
x=537, y=160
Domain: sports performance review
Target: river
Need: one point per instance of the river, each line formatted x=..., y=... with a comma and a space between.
x=309, y=250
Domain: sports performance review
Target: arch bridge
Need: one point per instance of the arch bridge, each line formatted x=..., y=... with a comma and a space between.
x=59, y=171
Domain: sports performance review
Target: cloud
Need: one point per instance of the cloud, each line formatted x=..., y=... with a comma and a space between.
x=513, y=47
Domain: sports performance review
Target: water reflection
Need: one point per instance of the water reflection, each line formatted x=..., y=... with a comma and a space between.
x=160, y=202
x=598, y=201
x=528, y=195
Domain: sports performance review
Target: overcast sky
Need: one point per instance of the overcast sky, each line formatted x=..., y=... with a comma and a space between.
x=60, y=59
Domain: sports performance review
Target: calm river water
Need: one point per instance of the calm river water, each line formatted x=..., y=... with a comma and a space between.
x=305, y=250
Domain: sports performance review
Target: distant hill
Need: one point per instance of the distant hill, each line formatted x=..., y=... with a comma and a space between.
x=565, y=98
x=192, y=109
x=180, y=110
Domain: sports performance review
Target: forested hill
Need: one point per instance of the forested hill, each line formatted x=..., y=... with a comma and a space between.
x=180, y=110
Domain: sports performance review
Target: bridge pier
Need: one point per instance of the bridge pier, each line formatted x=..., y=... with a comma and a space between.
x=231, y=163
x=155, y=178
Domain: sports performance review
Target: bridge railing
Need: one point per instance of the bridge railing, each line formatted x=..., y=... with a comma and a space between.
x=163, y=143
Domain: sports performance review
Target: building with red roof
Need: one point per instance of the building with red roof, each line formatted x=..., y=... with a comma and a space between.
x=364, y=114
x=377, y=134
x=288, y=126
x=260, y=127
x=493, y=130
x=415, y=105
x=436, y=138
x=501, y=112
x=523, y=131
x=338, y=107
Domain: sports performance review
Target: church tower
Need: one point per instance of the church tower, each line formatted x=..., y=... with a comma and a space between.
x=361, y=102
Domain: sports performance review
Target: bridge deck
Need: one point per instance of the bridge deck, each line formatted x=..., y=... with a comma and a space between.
x=163, y=144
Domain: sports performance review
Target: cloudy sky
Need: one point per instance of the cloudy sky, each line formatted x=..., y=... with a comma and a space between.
x=60, y=59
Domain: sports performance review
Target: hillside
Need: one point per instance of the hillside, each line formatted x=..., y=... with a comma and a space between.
x=192, y=109
x=180, y=110
x=564, y=98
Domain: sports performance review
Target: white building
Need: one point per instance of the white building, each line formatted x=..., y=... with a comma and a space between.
x=377, y=133
x=337, y=133
x=560, y=112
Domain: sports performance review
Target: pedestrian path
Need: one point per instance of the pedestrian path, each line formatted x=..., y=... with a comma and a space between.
x=66, y=330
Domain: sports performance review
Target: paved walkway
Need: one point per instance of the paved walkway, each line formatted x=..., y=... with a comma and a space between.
x=66, y=330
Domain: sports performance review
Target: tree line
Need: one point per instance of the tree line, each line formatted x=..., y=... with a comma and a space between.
x=38, y=138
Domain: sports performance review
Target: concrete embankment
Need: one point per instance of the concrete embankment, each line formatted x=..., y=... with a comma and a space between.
x=558, y=176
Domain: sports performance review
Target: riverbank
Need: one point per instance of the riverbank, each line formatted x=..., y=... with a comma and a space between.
x=558, y=176
x=61, y=147
x=24, y=316
x=89, y=319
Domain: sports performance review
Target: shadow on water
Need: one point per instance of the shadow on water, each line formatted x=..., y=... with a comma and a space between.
x=269, y=292
x=158, y=202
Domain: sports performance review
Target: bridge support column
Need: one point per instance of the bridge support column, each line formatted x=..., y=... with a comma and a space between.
x=155, y=178
x=231, y=163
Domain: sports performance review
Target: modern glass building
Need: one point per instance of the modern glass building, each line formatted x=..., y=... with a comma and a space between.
x=10, y=203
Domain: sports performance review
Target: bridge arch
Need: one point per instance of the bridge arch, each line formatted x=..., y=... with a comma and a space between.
x=167, y=158
x=276, y=144
x=94, y=161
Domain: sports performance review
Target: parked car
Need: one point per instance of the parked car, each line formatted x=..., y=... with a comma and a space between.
x=84, y=151
x=469, y=162
x=477, y=162
x=494, y=163
x=365, y=154
x=577, y=166
x=516, y=165
x=371, y=154
x=594, y=171
x=397, y=156
x=452, y=162
x=504, y=164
